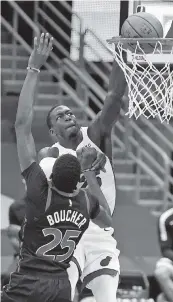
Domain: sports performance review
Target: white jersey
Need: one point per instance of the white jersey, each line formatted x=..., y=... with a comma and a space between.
x=107, y=178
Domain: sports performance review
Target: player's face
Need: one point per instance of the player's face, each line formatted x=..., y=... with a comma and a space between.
x=64, y=122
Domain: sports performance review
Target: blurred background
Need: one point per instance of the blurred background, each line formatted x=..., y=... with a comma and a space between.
x=77, y=75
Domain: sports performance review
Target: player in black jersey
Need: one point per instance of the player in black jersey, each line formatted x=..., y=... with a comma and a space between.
x=164, y=267
x=57, y=213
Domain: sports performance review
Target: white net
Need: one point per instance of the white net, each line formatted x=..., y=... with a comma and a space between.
x=150, y=90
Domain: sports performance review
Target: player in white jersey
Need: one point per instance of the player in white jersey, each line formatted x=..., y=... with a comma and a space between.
x=97, y=254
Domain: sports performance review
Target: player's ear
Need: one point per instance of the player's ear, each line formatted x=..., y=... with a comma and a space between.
x=53, y=135
x=51, y=131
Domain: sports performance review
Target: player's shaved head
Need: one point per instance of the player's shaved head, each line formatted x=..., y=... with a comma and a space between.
x=66, y=173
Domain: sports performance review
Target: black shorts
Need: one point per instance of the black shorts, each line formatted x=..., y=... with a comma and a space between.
x=27, y=288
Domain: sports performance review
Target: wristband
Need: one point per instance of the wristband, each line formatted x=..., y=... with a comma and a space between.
x=33, y=69
x=86, y=170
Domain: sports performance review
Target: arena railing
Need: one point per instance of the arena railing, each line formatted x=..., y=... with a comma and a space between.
x=17, y=11
x=158, y=133
x=16, y=37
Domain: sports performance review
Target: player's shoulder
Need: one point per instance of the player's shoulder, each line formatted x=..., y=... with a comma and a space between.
x=42, y=153
x=31, y=170
x=48, y=152
x=17, y=211
x=16, y=206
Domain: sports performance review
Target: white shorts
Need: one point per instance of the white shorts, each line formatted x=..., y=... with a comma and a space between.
x=97, y=254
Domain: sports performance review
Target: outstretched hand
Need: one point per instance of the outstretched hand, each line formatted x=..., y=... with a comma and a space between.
x=41, y=51
x=99, y=163
x=86, y=157
x=91, y=159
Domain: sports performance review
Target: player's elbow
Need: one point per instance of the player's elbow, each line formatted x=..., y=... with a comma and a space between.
x=18, y=124
x=117, y=92
x=23, y=121
x=114, y=96
x=21, y=126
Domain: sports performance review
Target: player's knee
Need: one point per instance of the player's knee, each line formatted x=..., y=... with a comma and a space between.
x=106, y=281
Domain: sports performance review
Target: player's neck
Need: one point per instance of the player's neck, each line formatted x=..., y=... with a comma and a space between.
x=65, y=194
x=71, y=142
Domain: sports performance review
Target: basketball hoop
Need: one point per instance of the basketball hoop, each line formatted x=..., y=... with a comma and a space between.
x=150, y=90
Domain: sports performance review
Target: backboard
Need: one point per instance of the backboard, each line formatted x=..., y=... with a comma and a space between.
x=163, y=10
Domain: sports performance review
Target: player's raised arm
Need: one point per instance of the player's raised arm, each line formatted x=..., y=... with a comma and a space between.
x=110, y=112
x=25, y=142
x=97, y=200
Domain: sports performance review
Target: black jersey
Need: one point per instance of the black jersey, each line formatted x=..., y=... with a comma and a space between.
x=50, y=234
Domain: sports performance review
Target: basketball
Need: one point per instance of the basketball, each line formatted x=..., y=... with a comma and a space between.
x=142, y=25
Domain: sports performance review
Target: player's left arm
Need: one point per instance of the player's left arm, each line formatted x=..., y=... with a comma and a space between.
x=103, y=123
x=25, y=141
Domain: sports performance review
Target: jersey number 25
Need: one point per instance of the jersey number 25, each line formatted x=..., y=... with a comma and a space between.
x=64, y=242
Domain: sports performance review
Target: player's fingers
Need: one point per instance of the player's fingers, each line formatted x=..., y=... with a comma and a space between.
x=41, y=42
x=100, y=157
x=99, y=163
x=50, y=46
x=96, y=162
x=35, y=43
x=95, y=166
x=45, y=44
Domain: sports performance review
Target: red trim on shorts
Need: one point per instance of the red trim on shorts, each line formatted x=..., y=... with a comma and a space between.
x=100, y=272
